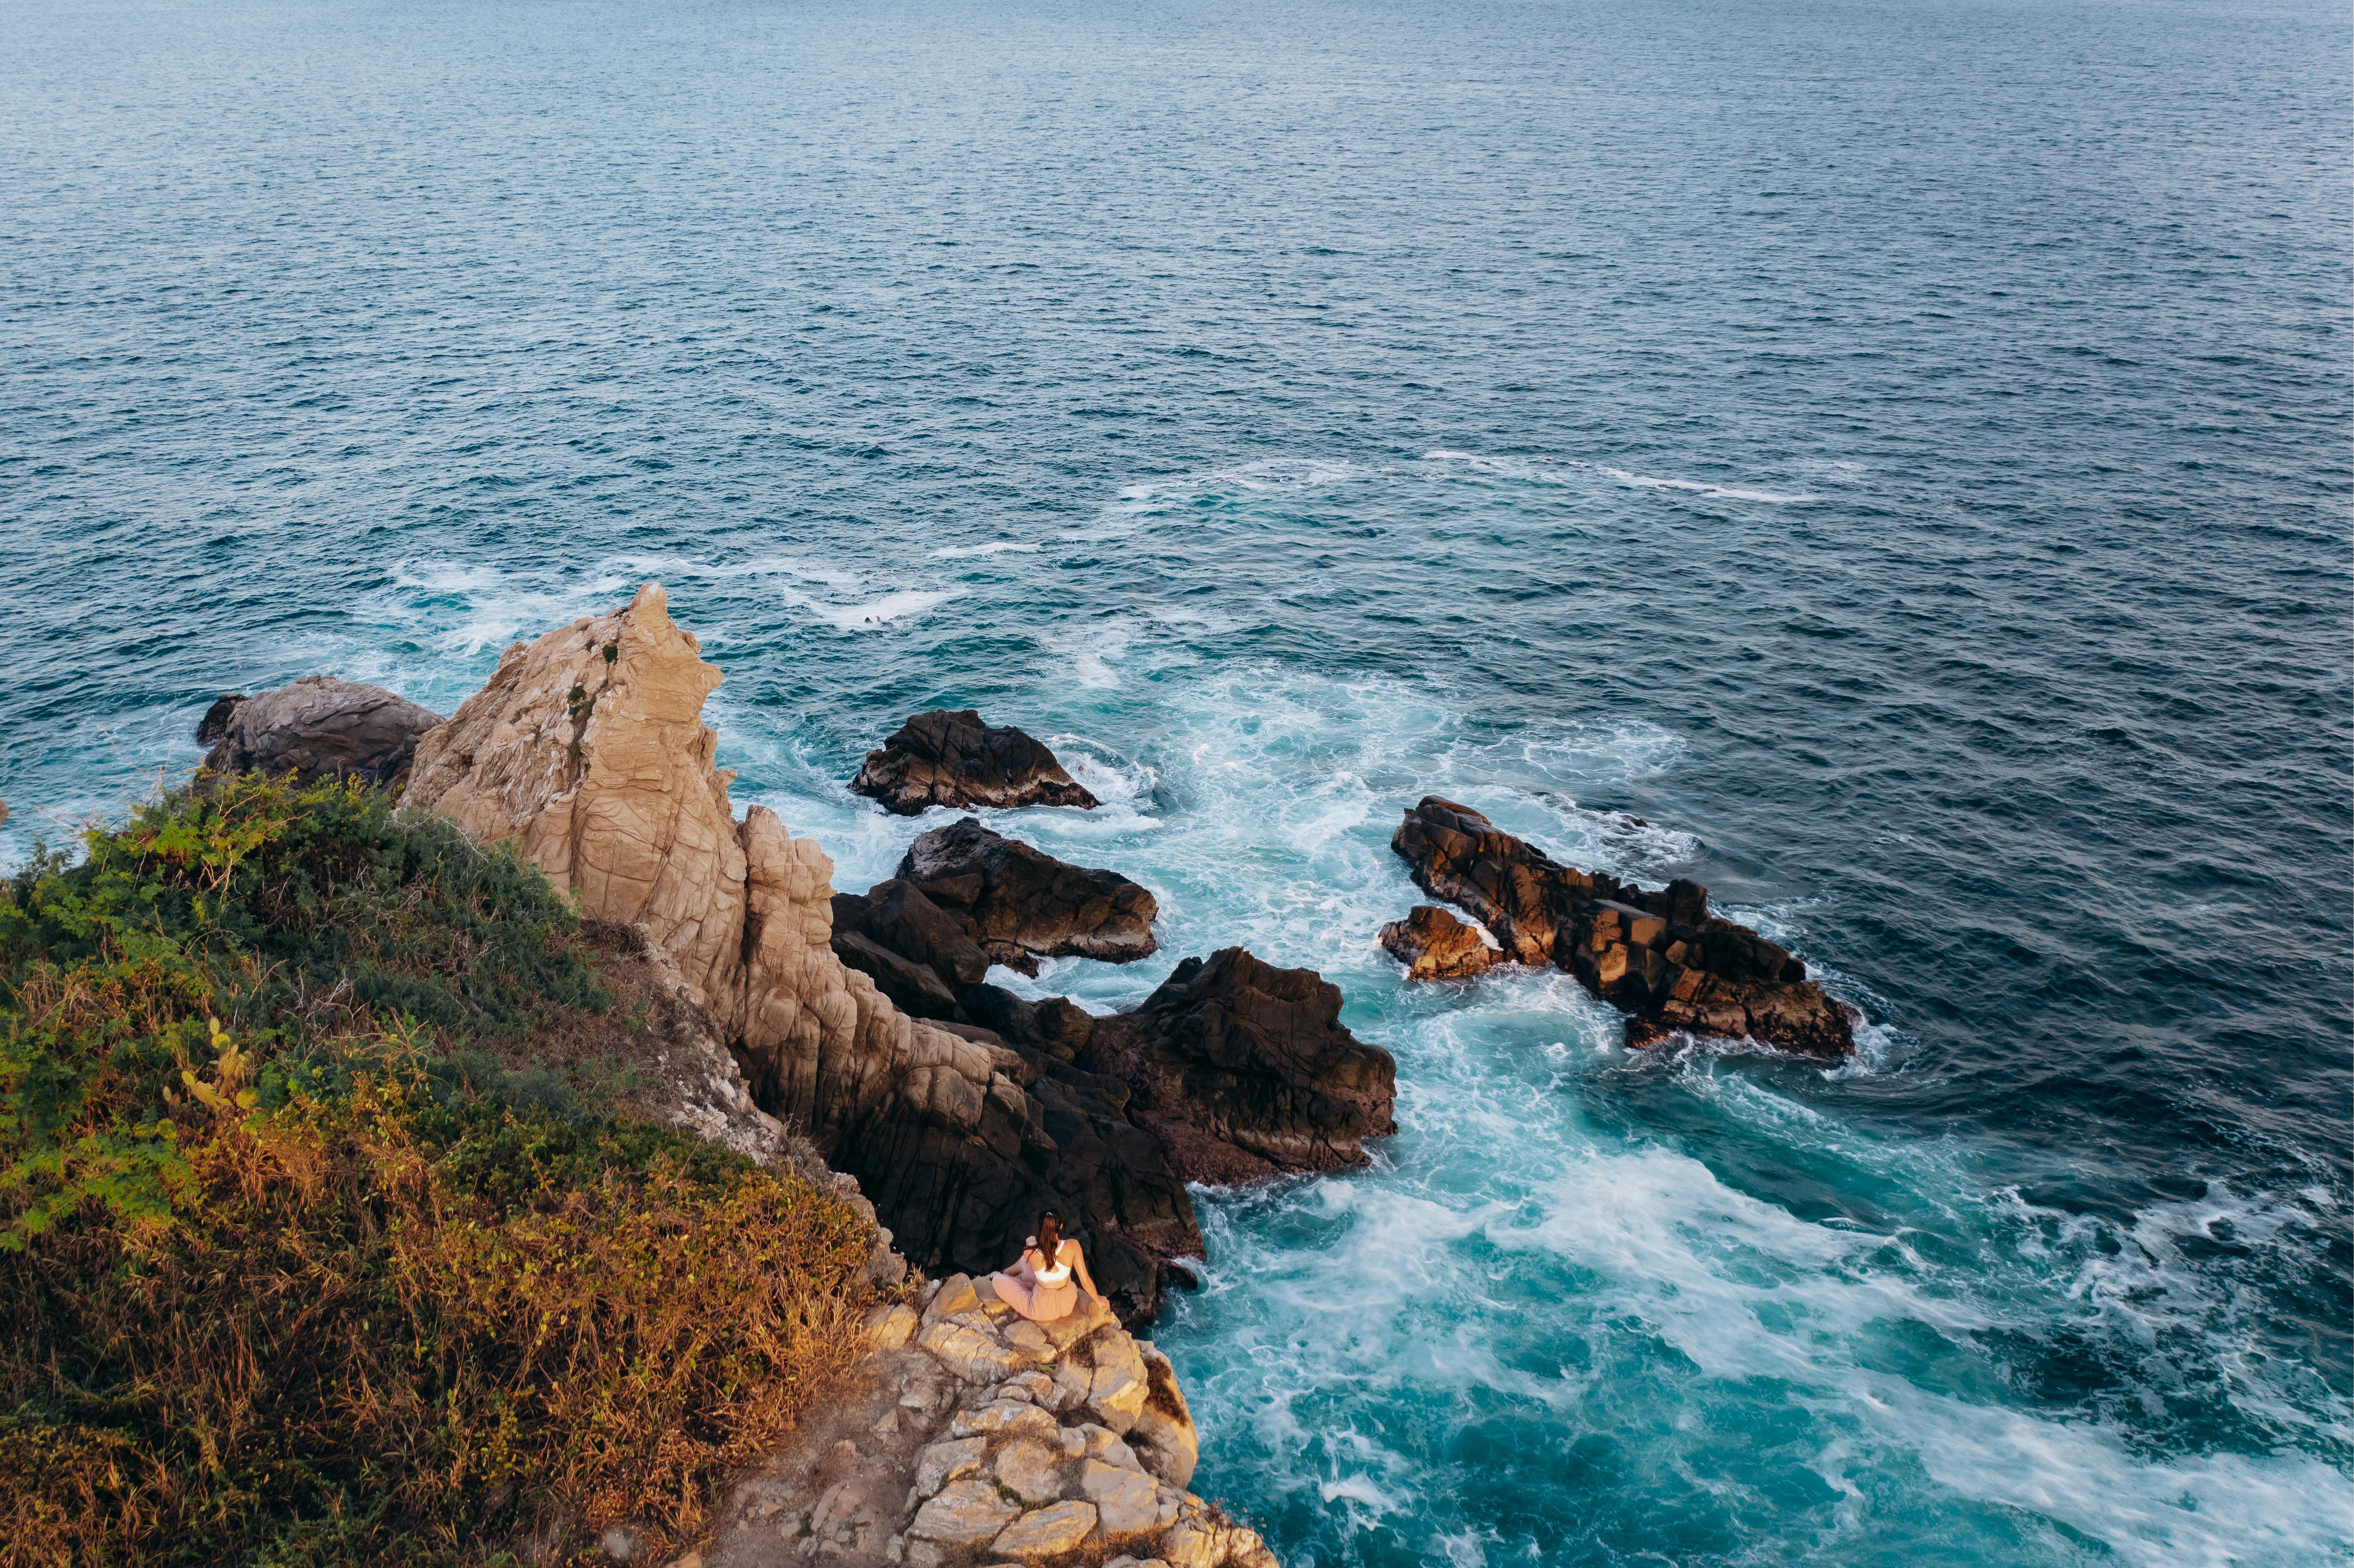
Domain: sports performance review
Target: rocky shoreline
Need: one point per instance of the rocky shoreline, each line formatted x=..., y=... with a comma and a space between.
x=856, y=1039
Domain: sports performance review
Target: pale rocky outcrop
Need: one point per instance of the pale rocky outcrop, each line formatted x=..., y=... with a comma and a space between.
x=588, y=751
x=987, y=1438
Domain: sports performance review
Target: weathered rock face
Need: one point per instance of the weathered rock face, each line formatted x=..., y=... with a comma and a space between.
x=318, y=727
x=1021, y=902
x=1434, y=945
x=588, y=751
x=1234, y=1071
x=1245, y=1071
x=1658, y=954
x=979, y=1437
x=944, y=758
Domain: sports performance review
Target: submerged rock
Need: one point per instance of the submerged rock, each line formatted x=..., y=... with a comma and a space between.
x=945, y=758
x=319, y=727
x=1657, y=953
x=1434, y=945
x=1020, y=900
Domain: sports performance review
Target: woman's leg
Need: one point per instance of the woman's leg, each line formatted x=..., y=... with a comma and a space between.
x=1018, y=1294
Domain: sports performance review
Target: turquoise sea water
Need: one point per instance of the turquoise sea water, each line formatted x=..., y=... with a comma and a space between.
x=1898, y=453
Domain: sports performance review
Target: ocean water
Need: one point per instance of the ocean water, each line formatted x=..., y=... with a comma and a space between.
x=1889, y=461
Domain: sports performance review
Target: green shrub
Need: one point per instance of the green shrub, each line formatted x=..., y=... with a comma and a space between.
x=293, y=1273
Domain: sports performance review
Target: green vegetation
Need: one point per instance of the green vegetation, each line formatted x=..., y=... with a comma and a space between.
x=294, y=1272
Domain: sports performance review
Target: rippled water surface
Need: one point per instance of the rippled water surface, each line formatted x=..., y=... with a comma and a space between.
x=1897, y=452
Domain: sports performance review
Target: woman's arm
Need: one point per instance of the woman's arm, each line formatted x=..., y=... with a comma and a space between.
x=1079, y=1267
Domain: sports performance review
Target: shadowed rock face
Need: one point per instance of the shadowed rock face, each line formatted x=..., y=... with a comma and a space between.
x=944, y=758
x=1657, y=953
x=1246, y=1071
x=318, y=727
x=1022, y=901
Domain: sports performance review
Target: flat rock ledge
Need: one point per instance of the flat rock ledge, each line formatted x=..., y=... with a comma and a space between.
x=979, y=1438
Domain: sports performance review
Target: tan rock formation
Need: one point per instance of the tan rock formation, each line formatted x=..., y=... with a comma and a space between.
x=950, y=1455
x=587, y=750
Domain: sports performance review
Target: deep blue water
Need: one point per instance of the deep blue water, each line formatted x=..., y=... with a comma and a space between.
x=1901, y=452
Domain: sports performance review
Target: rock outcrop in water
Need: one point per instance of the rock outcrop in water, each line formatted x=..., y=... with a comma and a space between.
x=1658, y=954
x=1246, y=1072
x=317, y=727
x=1024, y=904
x=1434, y=945
x=945, y=758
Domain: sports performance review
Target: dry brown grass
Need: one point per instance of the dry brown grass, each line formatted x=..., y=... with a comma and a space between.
x=364, y=1302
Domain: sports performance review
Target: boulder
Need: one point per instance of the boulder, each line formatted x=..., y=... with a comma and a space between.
x=1657, y=953
x=943, y=758
x=1014, y=895
x=1434, y=945
x=1246, y=1072
x=1049, y=1532
x=319, y=727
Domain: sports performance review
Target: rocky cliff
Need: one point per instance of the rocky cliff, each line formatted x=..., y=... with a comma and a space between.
x=586, y=750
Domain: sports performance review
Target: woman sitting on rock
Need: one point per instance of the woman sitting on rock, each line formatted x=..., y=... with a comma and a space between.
x=1039, y=1286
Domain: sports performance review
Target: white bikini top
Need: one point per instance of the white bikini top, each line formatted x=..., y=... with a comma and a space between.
x=1060, y=1271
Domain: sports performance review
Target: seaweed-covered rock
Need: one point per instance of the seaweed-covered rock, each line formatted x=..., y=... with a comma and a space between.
x=1656, y=952
x=953, y=758
x=318, y=727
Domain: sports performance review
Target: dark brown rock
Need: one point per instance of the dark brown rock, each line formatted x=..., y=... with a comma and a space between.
x=318, y=727
x=1246, y=1071
x=1434, y=945
x=1657, y=953
x=944, y=758
x=1047, y=1136
x=214, y=724
x=1019, y=899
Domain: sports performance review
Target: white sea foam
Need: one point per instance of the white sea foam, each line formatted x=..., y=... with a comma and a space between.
x=994, y=548
x=1264, y=476
x=1696, y=487
x=876, y=614
x=1088, y=651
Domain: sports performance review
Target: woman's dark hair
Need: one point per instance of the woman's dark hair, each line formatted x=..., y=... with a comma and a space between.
x=1050, y=1235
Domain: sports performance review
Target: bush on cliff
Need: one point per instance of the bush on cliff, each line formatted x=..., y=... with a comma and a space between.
x=293, y=1273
